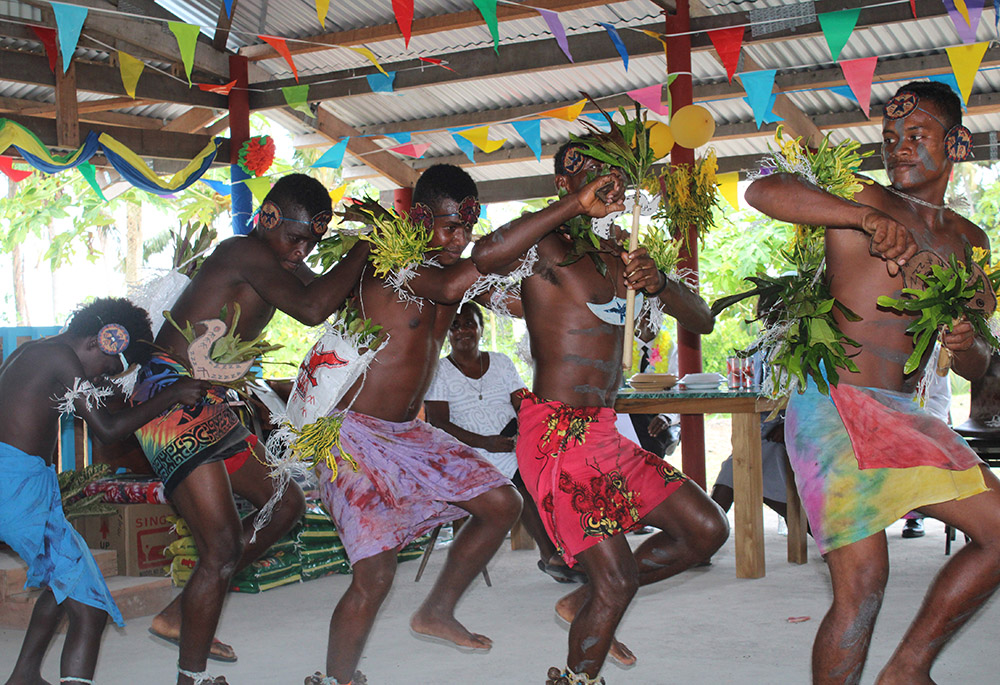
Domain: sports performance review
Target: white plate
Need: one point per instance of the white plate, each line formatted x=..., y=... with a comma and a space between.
x=687, y=386
x=702, y=379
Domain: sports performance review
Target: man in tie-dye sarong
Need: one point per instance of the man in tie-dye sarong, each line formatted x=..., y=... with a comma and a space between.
x=867, y=454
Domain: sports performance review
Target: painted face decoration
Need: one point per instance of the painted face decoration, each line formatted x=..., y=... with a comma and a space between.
x=468, y=213
x=269, y=217
x=957, y=139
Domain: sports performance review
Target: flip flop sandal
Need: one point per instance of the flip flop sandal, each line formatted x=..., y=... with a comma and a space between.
x=212, y=653
x=562, y=574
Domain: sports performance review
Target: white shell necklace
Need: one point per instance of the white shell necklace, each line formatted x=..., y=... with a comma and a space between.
x=911, y=198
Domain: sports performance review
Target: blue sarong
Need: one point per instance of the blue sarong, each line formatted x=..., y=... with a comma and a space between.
x=33, y=524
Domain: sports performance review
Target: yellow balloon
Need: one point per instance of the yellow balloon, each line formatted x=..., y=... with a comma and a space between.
x=661, y=139
x=692, y=126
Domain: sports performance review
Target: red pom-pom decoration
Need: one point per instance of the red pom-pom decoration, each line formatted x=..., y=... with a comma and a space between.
x=257, y=155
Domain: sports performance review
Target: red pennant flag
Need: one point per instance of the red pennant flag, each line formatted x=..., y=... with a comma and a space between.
x=404, y=17
x=859, y=73
x=913, y=8
x=218, y=89
x=48, y=38
x=7, y=167
x=282, y=49
x=728, y=43
x=436, y=62
x=411, y=150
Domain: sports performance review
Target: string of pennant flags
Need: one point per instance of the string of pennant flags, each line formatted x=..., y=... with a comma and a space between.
x=837, y=28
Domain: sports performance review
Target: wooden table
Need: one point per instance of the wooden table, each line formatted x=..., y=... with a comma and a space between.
x=748, y=481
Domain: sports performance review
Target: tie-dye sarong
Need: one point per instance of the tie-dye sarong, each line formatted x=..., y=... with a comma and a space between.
x=33, y=524
x=868, y=456
x=409, y=475
x=588, y=482
x=183, y=438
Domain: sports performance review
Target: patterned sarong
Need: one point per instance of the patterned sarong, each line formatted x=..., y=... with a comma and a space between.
x=588, y=481
x=33, y=524
x=183, y=438
x=868, y=456
x=409, y=475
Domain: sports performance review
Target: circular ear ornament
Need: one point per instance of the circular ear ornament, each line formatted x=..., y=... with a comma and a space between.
x=320, y=222
x=112, y=339
x=573, y=161
x=901, y=105
x=469, y=210
x=958, y=144
x=269, y=216
x=422, y=215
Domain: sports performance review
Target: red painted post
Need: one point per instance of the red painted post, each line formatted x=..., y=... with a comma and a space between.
x=688, y=344
x=239, y=132
x=402, y=200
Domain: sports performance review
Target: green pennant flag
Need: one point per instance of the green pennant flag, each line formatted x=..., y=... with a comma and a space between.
x=89, y=172
x=837, y=28
x=187, y=38
x=297, y=97
x=488, y=8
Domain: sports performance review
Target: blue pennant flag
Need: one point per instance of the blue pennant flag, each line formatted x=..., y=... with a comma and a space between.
x=531, y=132
x=769, y=116
x=617, y=40
x=221, y=188
x=401, y=138
x=464, y=144
x=381, y=83
x=333, y=157
x=758, y=85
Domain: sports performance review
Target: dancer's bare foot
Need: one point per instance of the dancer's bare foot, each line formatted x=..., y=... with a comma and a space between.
x=167, y=626
x=566, y=609
x=425, y=622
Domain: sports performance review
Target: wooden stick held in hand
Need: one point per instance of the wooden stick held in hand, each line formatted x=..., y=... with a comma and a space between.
x=633, y=243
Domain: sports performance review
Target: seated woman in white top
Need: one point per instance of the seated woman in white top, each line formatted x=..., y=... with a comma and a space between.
x=472, y=398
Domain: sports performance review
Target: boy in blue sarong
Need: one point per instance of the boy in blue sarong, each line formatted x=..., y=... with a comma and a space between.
x=40, y=379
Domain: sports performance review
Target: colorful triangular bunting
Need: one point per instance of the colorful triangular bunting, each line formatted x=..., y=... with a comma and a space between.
x=568, y=113
x=837, y=28
x=219, y=89
x=728, y=186
x=297, y=97
x=334, y=157
x=651, y=97
x=69, y=22
x=322, y=7
x=7, y=167
x=440, y=62
x=411, y=150
x=859, y=74
x=281, y=47
x=758, y=85
x=48, y=38
x=558, y=32
x=187, y=39
x=965, y=17
x=381, y=83
x=965, y=61
x=479, y=136
x=728, y=43
x=259, y=187
x=464, y=145
x=530, y=131
x=370, y=56
x=488, y=8
x=617, y=41
x=219, y=187
x=89, y=172
x=130, y=68
x=403, y=9
x=769, y=117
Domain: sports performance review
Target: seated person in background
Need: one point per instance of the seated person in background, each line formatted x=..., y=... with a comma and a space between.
x=657, y=433
x=472, y=397
x=38, y=381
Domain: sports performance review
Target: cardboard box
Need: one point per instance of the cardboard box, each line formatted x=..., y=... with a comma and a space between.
x=138, y=532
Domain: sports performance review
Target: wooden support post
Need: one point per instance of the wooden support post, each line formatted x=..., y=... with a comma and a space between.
x=798, y=549
x=67, y=108
x=748, y=495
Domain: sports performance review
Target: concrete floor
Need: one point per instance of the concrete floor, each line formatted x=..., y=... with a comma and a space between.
x=704, y=626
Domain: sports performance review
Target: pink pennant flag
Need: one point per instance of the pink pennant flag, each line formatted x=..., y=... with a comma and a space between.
x=859, y=73
x=728, y=43
x=651, y=98
x=282, y=49
x=411, y=150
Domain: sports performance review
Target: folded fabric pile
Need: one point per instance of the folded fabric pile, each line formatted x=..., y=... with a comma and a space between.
x=320, y=549
x=274, y=570
x=128, y=489
x=183, y=552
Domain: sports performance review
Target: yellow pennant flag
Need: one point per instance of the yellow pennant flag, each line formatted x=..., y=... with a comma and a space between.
x=569, y=113
x=727, y=186
x=365, y=52
x=479, y=137
x=322, y=7
x=963, y=9
x=337, y=194
x=130, y=68
x=259, y=187
x=965, y=61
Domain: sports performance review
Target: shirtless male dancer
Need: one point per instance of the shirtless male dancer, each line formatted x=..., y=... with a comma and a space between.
x=854, y=486
x=567, y=447
x=36, y=377
x=412, y=476
x=204, y=454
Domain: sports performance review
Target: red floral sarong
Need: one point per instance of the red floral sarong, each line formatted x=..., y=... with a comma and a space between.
x=588, y=482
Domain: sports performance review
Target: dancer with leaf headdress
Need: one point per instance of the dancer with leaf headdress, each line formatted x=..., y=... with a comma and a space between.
x=899, y=261
x=203, y=454
x=590, y=484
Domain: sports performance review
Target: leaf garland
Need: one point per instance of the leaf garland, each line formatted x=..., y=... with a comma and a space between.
x=397, y=241
x=626, y=146
x=688, y=196
x=943, y=300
